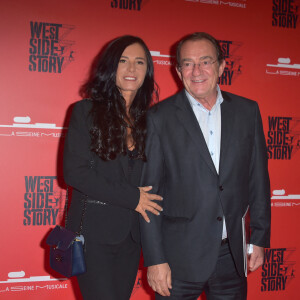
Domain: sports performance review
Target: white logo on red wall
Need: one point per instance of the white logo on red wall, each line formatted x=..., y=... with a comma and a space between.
x=283, y=67
x=162, y=59
x=22, y=127
x=17, y=282
x=281, y=199
x=233, y=3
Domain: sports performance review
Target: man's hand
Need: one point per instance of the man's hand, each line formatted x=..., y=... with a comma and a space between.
x=159, y=278
x=256, y=258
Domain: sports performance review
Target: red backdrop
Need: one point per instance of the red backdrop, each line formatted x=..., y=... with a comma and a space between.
x=46, y=51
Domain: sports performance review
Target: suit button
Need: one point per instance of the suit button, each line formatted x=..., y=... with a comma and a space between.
x=219, y=218
x=221, y=188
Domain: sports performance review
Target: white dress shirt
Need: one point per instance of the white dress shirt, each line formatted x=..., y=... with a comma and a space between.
x=210, y=124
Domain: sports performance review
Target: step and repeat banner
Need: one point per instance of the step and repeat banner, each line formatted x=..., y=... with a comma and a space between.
x=46, y=51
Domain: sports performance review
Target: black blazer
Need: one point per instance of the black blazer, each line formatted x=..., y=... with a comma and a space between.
x=113, y=216
x=188, y=233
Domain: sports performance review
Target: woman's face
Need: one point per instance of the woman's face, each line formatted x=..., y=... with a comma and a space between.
x=131, y=71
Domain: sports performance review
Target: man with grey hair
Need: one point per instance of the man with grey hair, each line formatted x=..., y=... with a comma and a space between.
x=207, y=158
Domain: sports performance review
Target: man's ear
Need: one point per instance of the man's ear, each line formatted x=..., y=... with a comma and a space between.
x=179, y=72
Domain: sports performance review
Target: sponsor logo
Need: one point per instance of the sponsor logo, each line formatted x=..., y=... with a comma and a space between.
x=278, y=269
x=23, y=128
x=126, y=4
x=233, y=67
x=283, y=67
x=162, y=59
x=234, y=3
x=285, y=13
x=17, y=282
x=280, y=199
x=49, y=50
x=283, y=140
x=43, y=201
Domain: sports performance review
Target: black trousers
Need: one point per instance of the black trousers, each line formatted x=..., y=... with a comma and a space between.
x=224, y=284
x=111, y=270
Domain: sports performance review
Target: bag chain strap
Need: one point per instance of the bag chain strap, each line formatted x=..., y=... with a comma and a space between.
x=82, y=215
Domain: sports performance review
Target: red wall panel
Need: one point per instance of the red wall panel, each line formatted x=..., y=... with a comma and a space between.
x=263, y=63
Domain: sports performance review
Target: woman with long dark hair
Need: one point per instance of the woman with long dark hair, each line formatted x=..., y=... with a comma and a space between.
x=103, y=158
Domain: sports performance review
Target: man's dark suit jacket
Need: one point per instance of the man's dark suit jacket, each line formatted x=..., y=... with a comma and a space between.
x=188, y=233
x=103, y=181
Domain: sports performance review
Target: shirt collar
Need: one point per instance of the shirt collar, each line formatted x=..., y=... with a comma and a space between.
x=194, y=102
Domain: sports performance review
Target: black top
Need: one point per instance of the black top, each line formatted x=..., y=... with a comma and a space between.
x=132, y=154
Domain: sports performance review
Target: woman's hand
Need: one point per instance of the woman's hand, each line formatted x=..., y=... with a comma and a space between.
x=146, y=203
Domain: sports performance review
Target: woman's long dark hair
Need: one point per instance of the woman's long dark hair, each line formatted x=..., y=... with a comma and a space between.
x=110, y=121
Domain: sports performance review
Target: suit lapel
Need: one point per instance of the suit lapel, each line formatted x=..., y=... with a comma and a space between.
x=227, y=121
x=188, y=119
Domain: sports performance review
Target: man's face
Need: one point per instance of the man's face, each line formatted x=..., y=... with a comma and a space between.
x=200, y=82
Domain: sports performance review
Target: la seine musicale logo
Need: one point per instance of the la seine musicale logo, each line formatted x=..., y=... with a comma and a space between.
x=162, y=59
x=49, y=49
x=285, y=14
x=126, y=4
x=283, y=67
x=283, y=139
x=43, y=201
x=233, y=3
x=17, y=281
x=23, y=127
